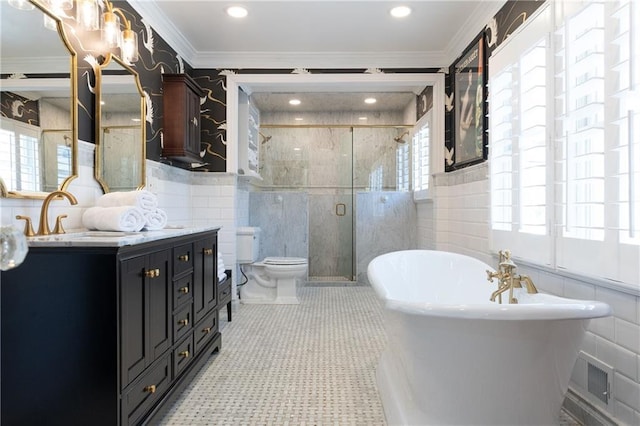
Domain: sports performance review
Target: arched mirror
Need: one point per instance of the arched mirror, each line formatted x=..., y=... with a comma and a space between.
x=38, y=135
x=120, y=111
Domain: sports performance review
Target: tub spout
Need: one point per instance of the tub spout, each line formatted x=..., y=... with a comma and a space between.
x=507, y=279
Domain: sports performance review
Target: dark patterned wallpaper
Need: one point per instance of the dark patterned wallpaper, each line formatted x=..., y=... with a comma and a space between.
x=19, y=108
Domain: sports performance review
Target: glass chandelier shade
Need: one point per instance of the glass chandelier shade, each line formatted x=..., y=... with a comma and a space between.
x=88, y=15
x=129, y=46
x=110, y=27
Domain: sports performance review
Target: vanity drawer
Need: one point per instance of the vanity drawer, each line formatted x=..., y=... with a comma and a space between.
x=205, y=330
x=146, y=391
x=182, y=355
x=182, y=322
x=182, y=259
x=182, y=290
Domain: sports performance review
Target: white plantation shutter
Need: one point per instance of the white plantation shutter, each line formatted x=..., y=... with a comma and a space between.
x=421, y=166
x=564, y=120
x=519, y=117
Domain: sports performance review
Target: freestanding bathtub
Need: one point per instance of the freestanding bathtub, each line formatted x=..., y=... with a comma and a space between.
x=454, y=357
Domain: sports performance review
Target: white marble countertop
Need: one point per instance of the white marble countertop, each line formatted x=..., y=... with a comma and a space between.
x=85, y=238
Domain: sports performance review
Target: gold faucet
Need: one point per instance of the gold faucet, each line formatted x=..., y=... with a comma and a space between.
x=507, y=279
x=43, y=227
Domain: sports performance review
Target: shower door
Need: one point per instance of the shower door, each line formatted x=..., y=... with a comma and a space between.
x=331, y=202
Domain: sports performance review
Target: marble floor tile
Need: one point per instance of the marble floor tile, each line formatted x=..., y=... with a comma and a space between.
x=307, y=364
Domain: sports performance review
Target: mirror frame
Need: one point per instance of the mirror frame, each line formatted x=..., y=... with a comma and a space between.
x=73, y=101
x=98, y=167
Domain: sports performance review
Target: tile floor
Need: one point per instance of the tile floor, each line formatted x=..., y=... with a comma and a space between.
x=307, y=364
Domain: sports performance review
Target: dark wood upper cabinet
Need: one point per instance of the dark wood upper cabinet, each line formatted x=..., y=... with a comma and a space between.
x=181, y=120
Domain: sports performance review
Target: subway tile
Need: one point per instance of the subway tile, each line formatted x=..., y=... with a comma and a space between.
x=603, y=327
x=623, y=360
x=624, y=306
x=627, y=335
x=574, y=289
x=626, y=391
x=551, y=283
x=625, y=414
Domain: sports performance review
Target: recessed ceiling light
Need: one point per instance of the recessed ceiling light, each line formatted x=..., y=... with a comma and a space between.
x=400, y=12
x=294, y=102
x=298, y=118
x=237, y=12
x=362, y=118
x=370, y=101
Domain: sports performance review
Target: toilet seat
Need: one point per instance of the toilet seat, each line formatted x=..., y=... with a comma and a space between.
x=284, y=261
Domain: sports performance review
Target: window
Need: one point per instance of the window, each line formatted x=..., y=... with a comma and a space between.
x=421, y=145
x=402, y=167
x=20, y=156
x=564, y=147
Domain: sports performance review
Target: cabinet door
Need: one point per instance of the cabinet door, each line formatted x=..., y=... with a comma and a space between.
x=192, y=143
x=145, y=315
x=160, y=301
x=205, y=277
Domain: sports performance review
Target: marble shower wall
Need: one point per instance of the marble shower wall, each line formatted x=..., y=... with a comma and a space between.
x=385, y=222
x=282, y=217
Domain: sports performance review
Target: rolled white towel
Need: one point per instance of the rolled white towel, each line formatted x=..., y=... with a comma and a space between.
x=222, y=277
x=119, y=218
x=154, y=220
x=143, y=199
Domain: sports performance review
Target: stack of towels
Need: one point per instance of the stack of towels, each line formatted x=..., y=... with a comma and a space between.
x=130, y=211
x=221, y=274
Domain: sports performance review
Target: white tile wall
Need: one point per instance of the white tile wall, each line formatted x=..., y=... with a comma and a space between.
x=460, y=223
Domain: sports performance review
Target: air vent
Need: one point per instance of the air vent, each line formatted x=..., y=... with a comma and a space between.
x=598, y=383
x=598, y=378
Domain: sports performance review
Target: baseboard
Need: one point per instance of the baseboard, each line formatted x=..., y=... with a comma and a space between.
x=585, y=412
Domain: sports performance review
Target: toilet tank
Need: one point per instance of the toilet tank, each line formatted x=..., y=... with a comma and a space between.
x=248, y=244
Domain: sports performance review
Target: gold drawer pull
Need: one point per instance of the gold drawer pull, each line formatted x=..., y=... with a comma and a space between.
x=206, y=330
x=184, y=354
x=184, y=321
x=184, y=290
x=150, y=389
x=152, y=273
x=208, y=251
x=183, y=258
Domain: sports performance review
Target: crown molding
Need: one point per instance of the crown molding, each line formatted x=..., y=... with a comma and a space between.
x=162, y=24
x=476, y=21
x=339, y=60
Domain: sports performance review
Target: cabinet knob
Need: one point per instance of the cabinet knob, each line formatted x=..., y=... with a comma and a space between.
x=208, y=251
x=184, y=290
x=151, y=273
x=184, y=321
x=183, y=258
x=150, y=389
x=156, y=272
x=206, y=330
x=184, y=354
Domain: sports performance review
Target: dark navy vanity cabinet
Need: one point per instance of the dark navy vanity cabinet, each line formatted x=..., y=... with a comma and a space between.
x=101, y=335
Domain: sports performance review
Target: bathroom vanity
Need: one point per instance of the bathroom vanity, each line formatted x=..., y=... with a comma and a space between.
x=107, y=330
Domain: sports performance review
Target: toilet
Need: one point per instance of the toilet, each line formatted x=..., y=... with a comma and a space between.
x=271, y=281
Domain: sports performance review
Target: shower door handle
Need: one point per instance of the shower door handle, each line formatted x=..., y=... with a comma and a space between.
x=341, y=209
